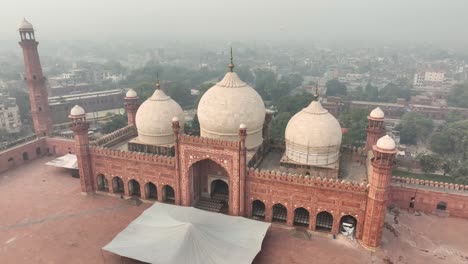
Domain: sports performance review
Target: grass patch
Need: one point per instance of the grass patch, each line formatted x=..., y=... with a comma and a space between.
x=423, y=176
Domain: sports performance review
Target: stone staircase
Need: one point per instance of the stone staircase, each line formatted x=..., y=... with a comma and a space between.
x=211, y=205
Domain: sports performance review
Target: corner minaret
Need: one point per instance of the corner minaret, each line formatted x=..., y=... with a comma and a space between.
x=379, y=190
x=80, y=127
x=375, y=127
x=35, y=80
x=131, y=105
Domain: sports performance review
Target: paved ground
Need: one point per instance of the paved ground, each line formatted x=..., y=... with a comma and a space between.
x=45, y=219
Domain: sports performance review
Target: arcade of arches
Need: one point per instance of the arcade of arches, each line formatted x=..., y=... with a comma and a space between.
x=134, y=189
x=323, y=221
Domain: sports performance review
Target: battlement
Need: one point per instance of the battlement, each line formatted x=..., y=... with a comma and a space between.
x=208, y=141
x=133, y=156
x=433, y=184
x=311, y=181
x=118, y=135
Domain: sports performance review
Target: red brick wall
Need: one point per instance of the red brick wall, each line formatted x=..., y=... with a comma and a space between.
x=60, y=146
x=13, y=157
x=427, y=200
x=316, y=196
x=128, y=166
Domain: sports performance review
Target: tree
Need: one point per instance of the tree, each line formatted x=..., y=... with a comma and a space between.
x=454, y=116
x=355, y=121
x=278, y=126
x=458, y=135
x=144, y=91
x=415, y=128
x=391, y=92
x=441, y=143
x=265, y=81
x=458, y=95
x=336, y=88
x=371, y=92
x=293, y=104
x=429, y=162
x=180, y=92
x=116, y=122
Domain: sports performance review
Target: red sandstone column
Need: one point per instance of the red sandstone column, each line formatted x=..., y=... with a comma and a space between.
x=312, y=219
x=375, y=128
x=35, y=81
x=178, y=174
x=379, y=190
x=131, y=105
x=242, y=168
x=80, y=126
x=290, y=216
x=268, y=212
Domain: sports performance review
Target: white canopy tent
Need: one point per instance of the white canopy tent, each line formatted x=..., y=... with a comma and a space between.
x=68, y=161
x=170, y=234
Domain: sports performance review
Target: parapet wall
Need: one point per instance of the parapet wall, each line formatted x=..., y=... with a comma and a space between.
x=308, y=180
x=186, y=139
x=116, y=136
x=22, y=153
x=431, y=184
x=132, y=156
x=60, y=146
x=427, y=201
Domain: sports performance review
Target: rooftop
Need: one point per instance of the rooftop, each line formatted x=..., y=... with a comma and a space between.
x=49, y=221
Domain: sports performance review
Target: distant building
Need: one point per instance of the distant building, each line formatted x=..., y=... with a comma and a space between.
x=10, y=119
x=68, y=89
x=428, y=78
x=92, y=102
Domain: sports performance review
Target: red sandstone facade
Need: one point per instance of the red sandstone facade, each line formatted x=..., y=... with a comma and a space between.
x=273, y=196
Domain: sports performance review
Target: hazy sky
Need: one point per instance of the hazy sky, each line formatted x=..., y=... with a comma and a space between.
x=434, y=21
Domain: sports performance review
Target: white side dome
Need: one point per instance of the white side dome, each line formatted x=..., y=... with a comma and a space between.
x=386, y=143
x=377, y=113
x=313, y=136
x=77, y=111
x=131, y=93
x=25, y=25
x=227, y=105
x=154, y=119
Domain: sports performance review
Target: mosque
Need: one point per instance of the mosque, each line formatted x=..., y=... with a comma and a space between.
x=232, y=167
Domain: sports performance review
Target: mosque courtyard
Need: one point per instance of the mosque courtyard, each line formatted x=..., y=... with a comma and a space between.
x=45, y=219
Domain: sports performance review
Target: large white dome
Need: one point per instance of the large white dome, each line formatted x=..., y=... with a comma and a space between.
x=154, y=119
x=313, y=136
x=227, y=105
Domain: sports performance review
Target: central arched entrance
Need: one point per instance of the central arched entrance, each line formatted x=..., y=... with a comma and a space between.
x=209, y=186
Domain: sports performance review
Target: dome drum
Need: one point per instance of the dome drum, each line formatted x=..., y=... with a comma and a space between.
x=252, y=137
x=315, y=156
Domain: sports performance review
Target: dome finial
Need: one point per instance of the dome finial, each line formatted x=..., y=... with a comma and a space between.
x=316, y=94
x=231, y=65
x=158, y=85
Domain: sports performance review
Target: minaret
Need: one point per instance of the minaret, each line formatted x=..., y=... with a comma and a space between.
x=242, y=167
x=35, y=80
x=379, y=190
x=80, y=127
x=178, y=188
x=131, y=105
x=375, y=127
